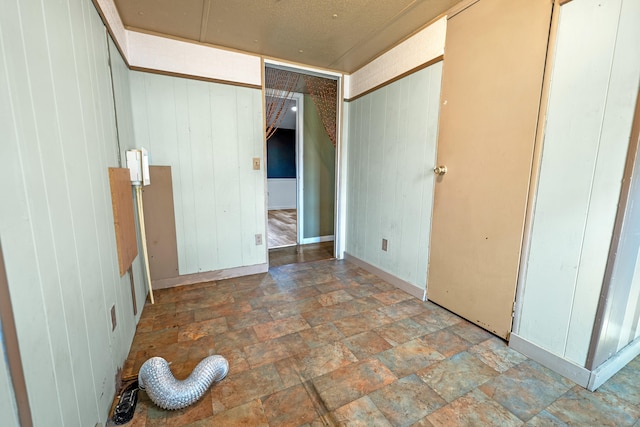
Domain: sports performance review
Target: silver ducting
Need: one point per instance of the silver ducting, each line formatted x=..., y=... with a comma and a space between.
x=164, y=390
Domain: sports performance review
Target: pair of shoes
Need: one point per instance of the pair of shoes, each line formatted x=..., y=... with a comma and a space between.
x=123, y=413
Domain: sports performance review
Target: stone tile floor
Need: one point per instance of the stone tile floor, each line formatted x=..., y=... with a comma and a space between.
x=326, y=343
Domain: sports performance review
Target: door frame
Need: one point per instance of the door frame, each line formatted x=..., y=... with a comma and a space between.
x=299, y=98
x=339, y=217
x=535, y=167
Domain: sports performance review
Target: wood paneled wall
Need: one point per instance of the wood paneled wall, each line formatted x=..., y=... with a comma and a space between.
x=591, y=104
x=392, y=148
x=208, y=133
x=58, y=139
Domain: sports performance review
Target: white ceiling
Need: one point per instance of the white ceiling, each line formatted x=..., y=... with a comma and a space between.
x=341, y=35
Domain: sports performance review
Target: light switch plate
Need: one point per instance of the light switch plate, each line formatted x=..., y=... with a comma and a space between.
x=256, y=163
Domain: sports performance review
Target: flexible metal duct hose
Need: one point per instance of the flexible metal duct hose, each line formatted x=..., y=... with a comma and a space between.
x=156, y=379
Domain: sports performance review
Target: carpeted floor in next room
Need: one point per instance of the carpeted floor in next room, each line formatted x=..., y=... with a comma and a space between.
x=326, y=343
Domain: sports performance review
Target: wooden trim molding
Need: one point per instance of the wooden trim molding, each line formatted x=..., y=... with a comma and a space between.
x=13, y=349
x=398, y=77
x=536, y=163
x=105, y=21
x=460, y=7
x=193, y=77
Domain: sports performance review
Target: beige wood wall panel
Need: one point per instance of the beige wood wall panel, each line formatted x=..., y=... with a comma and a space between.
x=160, y=222
x=123, y=217
x=492, y=79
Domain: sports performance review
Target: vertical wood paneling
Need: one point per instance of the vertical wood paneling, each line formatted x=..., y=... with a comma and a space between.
x=122, y=93
x=391, y=152
x=392, y=146
x=208, y=133
x=619, y=107
x=17, y=124
x=250, y=130
x=200, y=135
x=58, y=129
x=372, y=241
x=228, y=231
x=586, y=137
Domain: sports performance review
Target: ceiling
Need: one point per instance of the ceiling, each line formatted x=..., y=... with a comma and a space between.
x=341, y=35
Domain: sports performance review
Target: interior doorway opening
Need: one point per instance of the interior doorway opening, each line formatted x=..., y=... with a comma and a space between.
x=284, y=167
x=301, y=164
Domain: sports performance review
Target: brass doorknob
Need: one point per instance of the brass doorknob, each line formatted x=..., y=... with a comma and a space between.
x=440, y=170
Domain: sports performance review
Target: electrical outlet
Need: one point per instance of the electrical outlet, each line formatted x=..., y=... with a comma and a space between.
x=113, y=317
x=384, y=244
x=258, y=239
x=256, y=163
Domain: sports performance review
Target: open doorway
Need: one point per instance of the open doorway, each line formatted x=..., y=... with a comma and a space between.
x=301, y=125
x=284, y=178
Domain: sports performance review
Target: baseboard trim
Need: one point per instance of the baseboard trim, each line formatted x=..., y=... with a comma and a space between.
x=320, y=239
x=281, y=207
x=209, y=276
x=612, y=365
x=409, y=288
x=566, y=368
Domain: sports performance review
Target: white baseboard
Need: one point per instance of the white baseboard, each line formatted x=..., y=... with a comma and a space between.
x=566, y=368
x=409, y=288
x=309, y=240
x=208, y=276
x=612, y=365
x=281, y=207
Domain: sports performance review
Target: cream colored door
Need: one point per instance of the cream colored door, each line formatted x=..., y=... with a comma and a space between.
x=492, y=78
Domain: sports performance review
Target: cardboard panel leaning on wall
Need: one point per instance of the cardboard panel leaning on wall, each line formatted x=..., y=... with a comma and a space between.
x=58, y=128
